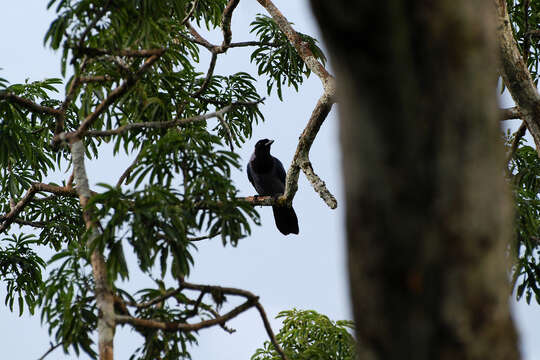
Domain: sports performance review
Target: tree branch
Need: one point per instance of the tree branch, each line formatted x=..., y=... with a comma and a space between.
x=112, y=97
x=251, y=301
x=323, y=107
x=226, y=25
x=516, y=75
x=167, y=124
x=36, y=224
x=10, y=217
x=209, y=74
x=181, y=326
x=154, y=301
x=269, y=331
x=190, y=12
x=28, y=104
x=518, y=135
x=162, y=124
x=249, y=296
x=301, y=156
x=120, y=52
x=511, y=113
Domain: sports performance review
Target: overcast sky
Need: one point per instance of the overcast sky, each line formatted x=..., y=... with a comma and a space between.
x=305, y=271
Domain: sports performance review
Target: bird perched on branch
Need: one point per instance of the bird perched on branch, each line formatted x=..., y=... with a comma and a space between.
x=267, y=175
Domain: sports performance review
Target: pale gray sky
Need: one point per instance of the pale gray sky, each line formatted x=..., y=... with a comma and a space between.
x=305, y=271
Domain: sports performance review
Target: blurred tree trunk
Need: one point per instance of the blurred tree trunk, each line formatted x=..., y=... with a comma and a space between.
x=427, y=209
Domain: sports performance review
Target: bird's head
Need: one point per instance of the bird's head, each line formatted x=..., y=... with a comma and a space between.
x=263, y=146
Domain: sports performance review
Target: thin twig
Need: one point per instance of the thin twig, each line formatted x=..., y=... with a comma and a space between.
x=227, y=130
x=269, y=331
x=52, y=348
x=209, y=74
x=188, y=15
x=154, y=301
x=518, y=135
x=125, y=175
x=206, y=237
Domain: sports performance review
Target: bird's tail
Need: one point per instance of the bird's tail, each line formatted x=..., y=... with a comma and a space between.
x=286, y=220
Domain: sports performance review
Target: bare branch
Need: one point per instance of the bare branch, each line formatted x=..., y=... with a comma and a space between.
x=301, y=156
x=254, y=43
x=318, y=185
x=246, y=294
x=181, y=326
x=28, y=104
x=269, y=331
x=251, y=301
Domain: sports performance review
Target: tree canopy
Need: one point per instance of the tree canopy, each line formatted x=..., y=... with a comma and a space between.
x=133, y=79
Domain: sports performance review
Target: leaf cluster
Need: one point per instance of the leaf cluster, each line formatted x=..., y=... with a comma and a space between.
x=306, y=334
x=20, y=270
x=277, y=58
x=525, y=17
x=68, y=302
x=25, y=156
x=524, y=176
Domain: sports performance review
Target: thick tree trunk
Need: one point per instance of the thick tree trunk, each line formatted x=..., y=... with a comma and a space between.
x=427, y=210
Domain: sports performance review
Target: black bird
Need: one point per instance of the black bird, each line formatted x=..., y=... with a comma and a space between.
x=267, y=175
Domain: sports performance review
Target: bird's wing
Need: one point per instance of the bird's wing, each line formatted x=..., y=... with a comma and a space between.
x=250, y=177
x=280, y=170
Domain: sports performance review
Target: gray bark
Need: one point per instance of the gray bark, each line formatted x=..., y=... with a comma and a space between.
x=427, y=211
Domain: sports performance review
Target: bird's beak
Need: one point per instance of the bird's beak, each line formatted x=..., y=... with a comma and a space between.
x=270, y=142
